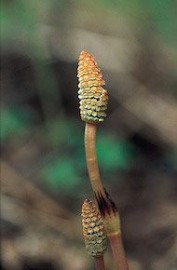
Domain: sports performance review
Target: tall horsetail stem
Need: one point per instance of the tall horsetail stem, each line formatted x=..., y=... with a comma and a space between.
x=93, y=104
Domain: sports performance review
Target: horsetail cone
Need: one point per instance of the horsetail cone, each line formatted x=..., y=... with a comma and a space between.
x=93, y=229
x=93, y=97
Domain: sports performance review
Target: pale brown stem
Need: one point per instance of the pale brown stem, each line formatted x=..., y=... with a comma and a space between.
x=91, y=158
x=111, y=219
x=99, y=263
x=118, y=251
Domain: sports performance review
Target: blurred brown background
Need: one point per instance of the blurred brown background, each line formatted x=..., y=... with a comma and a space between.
x=43, y=172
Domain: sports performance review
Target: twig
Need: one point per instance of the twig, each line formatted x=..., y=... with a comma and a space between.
x=34, y=202
x=24, y=189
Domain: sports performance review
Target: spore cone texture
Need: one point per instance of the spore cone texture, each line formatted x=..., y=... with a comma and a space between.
x=93, y=97
x=93, y=229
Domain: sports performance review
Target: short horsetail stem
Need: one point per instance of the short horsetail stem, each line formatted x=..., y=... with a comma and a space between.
x=94, y=233
x=93, y=104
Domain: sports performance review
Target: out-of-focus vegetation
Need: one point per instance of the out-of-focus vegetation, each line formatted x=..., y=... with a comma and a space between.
x=43, y=169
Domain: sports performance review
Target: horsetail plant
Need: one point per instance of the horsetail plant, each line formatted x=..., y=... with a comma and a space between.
x=94, y=233
x=93, y=104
